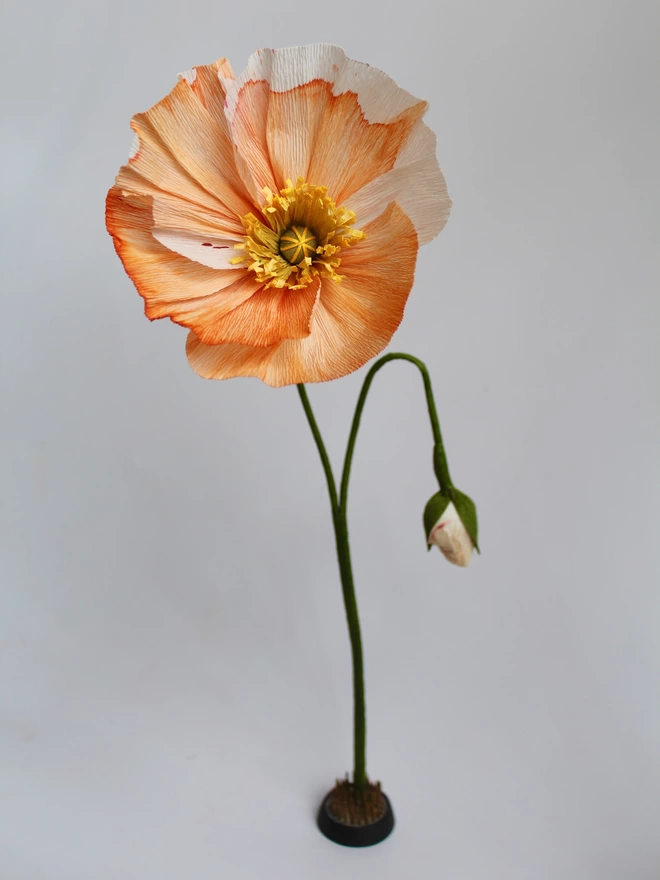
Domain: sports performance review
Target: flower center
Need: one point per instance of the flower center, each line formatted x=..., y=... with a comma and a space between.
x=300, y=236
x=297, y=244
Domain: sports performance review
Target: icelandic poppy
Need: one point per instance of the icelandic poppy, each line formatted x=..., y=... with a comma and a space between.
x=278, y=215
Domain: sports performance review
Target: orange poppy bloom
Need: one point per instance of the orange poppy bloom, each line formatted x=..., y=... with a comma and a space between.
x=277, y=215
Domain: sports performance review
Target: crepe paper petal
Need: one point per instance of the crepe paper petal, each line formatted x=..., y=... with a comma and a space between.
x=351, y=323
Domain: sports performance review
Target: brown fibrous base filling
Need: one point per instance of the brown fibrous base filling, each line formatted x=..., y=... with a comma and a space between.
x=349, y=805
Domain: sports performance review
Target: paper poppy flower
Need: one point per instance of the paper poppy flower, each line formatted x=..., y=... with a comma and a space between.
x=278, y=215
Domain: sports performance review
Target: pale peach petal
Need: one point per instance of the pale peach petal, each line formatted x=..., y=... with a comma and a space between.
x=269, y=316
x=171, y=285
x=249, y=133
x=209, y=250
x=312, y=112
x=199, y=145
x=415, y=182
x=292, y=127
x=153, y=169
x=164, y=164
x=350, y=152
x=352, y=322
x=175, y=215
x=209, y=82
x=174, y=212
x=208, y=86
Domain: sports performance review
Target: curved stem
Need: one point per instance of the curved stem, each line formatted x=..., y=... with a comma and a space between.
x=340, y=523
x=320, y=445
x=440, y=458
x=350, y=603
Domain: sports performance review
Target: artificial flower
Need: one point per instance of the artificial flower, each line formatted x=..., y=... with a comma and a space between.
x=278, y=215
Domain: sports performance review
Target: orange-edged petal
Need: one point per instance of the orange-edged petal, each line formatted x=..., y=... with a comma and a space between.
x=249, y=134
x=208, y=82
x=312, y=112
x=415, y=182
x=172, y=285
x=180, y=203
x=350, y=152
x=185, y=150
x=227, y=361
x=351, y=323
x=269, y=316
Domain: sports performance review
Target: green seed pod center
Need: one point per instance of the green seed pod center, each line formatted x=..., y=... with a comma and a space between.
x=297, y=243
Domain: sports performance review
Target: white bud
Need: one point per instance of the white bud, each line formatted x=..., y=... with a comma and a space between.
x=450, y=535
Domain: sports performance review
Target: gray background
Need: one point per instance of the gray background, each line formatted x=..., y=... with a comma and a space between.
x=175, y=684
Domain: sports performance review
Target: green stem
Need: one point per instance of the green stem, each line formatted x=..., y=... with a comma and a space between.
x=350, y=602
x=440, y=458
x=353, y=620
x=339, y=520
x=329, y=476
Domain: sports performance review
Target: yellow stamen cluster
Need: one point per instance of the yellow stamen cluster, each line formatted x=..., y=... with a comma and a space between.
x=302, y=237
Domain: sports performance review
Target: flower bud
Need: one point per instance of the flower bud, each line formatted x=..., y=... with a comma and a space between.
x=450, y=522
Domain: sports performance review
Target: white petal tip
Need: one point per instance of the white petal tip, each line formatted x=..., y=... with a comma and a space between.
x=135, y=147
x=189, y=75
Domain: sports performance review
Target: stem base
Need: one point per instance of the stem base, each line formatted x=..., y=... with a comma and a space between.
x=367, y=817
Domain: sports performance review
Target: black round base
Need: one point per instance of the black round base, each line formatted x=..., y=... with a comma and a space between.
x=355, y=835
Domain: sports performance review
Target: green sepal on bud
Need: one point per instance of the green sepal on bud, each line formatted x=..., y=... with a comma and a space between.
x=465, y=507
x=467, y=510
x=450, y=522
x=434, y=509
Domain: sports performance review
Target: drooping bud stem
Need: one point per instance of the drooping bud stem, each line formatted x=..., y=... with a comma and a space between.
x=441, y=467
x=439, y=458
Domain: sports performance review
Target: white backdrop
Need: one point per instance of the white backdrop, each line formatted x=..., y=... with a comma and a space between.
x=175, y=672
